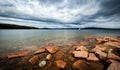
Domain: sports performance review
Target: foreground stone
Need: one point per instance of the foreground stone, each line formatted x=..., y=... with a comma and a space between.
x=48, y=57
x=60, y=64
x=42, y=50
x=80, y=65
x=51, y=49
x=83, y=43
x=92, y=57
x=19, y=54
x=80, y=54
x=81, y=48
x=113, y=44
x=102, y=55
x=42, y=64
x=34, y=59
x=114, y=66
x=113, y=56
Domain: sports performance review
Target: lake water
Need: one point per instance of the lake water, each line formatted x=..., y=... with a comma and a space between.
x=13, y=39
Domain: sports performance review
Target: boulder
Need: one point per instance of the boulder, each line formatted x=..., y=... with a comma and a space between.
x=92, y=57
x=114, y=66
x=80, y=54
x=42, y=50
x=60, y=64
x=80, y=65
x=34, y=59
x=51, y=49
x=19, y=54
x=48, y=57
x=81, y=48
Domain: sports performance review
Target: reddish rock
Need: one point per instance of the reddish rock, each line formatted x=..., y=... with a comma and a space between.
x=98, y=48
x=81, y=48
x=71, y=58
x=51, y=49
x=111, y=39
x=113, y=44
x=80, y=54
x=42, y=50
x=60, y=64
x=114, y=66
x=92, y=57
x=19, y=54
x=113, y=56
x=83, y=43
x=58, y=55
x=80, y=65
x=48, y=57
x=34, y=59
x=102, y=55
x=89, y=37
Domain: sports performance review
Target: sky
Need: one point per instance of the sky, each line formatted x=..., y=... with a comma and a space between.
x=61, y=13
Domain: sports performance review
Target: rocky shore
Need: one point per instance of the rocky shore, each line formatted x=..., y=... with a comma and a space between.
x=91, y=53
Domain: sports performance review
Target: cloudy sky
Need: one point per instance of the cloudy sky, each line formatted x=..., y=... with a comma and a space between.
x=61, y=13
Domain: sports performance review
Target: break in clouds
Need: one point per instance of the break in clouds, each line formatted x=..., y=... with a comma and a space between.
x=61, y=13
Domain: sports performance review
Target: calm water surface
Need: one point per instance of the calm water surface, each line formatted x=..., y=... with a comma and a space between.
x=13, y=39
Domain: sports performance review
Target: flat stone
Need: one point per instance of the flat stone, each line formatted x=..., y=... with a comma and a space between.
x=34, y=59
x=114, y=66
x=59, y=55
x=51, y=49
x=19, y=54
x=102, y=55
x=97, y=48
x=80, y=65
x=113, y=56
x=60, y=64
x=92, y=57
x=81, y=48
x=113, y=44
x=48, y=57
x=42, y=63
x=42, y=50
x=80, y=54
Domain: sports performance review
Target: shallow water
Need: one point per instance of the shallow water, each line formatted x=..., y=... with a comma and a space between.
x=13, y=39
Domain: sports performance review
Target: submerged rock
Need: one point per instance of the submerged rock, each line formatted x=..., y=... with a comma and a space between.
x=34, y=59
x=51, y=49
x=48, y=57
x=60, y=64
x=81, y=48
x=92, y=57
x=80, y=54
x=42, y=64
x=115, y=65
x=40, y=51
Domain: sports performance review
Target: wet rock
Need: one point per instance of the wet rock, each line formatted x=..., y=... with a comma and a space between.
x=98, y=48
x=71, y=58
x=113, y=56
x=51, y=49
x=58, y=55
x=42, y=64
x=92, y=57
x=48, y=57
x=114, y=66
x=83, y=43
x=80, y=54
x=18, y=54
x=42, y=50
x=60, y=64
x=81, y=48
x=34, y=59
x=89, y=37
x=80, y=65
x=102, y=55
x=111, y=39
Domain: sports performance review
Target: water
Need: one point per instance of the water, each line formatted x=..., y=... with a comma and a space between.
x=13, y=39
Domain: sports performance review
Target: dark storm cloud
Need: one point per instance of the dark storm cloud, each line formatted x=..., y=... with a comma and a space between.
x=61, y=13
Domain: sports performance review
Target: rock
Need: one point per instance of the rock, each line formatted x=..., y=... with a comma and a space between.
x=89, y=37
x=92, y=57
x=58, y=55
x=48, y=57
x=80, y=65
x=97, y=48
x=34, y=59
x=19, y=54
x=60, y=64
x=81, y=48
x=83, y=43
x=113, y=44
x=42, y=64
x=51, y=49
x=42, y=50
x=102, y=55
x=114, y=66
x=80, y=54
x=113, y=56
x=111, y=39
x=71, y=58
